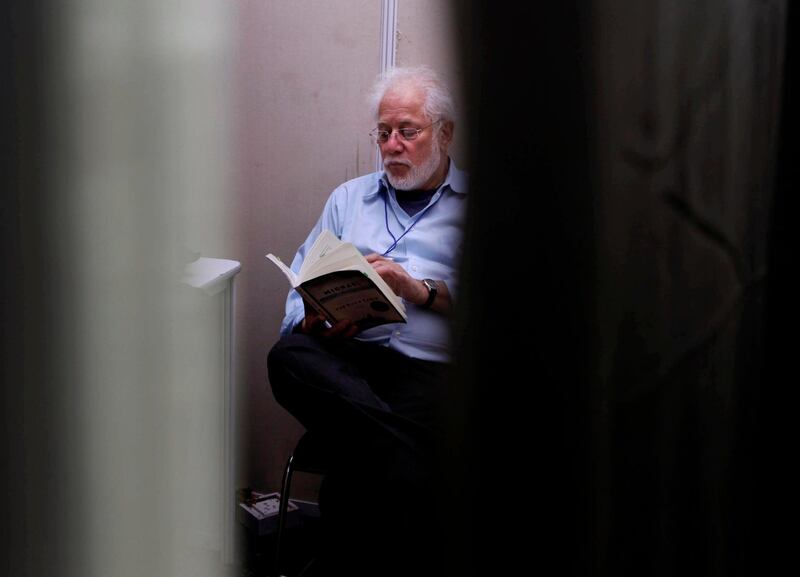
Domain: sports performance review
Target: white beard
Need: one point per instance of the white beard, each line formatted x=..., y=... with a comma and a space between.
x=417, y=175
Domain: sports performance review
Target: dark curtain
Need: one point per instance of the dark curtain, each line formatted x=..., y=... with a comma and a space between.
x=622, y=393
x=28, y=449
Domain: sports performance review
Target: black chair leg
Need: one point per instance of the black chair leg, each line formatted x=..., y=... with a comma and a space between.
x=283, y=509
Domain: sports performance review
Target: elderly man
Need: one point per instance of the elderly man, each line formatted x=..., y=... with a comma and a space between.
x=375, y=397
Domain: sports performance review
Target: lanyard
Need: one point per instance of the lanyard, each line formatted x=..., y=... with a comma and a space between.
x=406, y=231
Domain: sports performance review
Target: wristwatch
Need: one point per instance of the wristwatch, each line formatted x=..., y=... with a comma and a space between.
x=433, y=289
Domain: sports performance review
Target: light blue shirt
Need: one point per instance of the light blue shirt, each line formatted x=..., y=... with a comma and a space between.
x=365, y=212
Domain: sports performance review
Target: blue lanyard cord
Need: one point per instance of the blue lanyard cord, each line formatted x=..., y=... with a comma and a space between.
x=386, y=221
x=405, y=232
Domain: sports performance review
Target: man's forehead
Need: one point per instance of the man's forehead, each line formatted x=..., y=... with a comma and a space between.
x=402, y=109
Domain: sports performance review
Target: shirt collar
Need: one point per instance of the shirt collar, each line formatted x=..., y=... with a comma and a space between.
x=456, y=181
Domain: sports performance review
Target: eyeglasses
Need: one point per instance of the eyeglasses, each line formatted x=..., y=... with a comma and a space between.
x=406, y=133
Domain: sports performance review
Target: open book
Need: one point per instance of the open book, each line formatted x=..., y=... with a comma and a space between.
x=339, y=283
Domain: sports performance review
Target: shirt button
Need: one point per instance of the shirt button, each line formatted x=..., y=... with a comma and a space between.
x=414, y=268
x=397, y=333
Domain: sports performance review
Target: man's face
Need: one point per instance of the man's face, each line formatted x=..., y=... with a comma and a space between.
x=417, y=164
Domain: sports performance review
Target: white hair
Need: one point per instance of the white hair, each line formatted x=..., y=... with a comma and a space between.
x=438, y=100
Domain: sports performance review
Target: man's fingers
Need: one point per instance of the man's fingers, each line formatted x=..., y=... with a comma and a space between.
x=312, y=322
x=343, y=328
x=375, y=257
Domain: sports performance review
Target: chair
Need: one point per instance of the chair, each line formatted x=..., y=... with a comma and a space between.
x=308, y=456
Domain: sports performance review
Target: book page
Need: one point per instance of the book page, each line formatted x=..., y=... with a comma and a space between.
x=343, y=257
x=285, y=269
x=322, y=246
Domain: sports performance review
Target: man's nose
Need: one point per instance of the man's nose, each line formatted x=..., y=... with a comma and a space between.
x=395, y=143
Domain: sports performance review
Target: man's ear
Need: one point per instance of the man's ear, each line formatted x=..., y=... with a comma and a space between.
x=446, y=133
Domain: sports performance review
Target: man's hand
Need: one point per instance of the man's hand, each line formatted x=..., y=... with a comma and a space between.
x=314, y=324
x=403, y=284
x=407, y=287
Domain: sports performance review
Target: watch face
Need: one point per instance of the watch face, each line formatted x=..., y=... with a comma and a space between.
x=432, y=290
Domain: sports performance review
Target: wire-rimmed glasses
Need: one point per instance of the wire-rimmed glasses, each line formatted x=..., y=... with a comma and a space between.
x=405, y=133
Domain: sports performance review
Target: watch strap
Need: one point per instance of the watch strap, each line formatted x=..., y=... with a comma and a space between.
x=433, y=289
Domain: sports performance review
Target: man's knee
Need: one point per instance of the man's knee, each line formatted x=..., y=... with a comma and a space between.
x=285, y=352
x=283, y=364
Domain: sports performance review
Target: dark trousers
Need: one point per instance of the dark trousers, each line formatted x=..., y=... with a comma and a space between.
x=379, y=415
